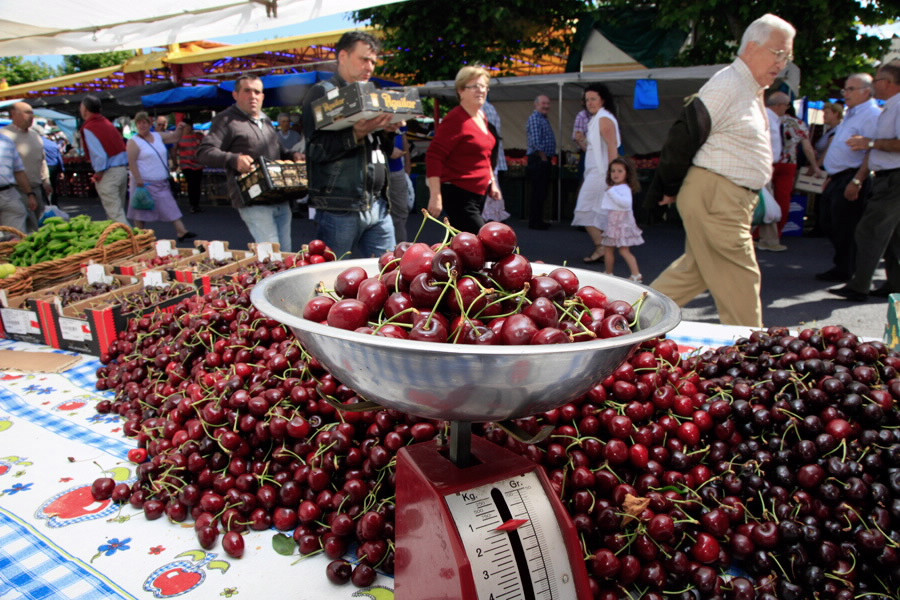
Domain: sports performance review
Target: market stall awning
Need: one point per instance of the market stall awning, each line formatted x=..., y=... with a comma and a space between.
x=281, y=44
x=61, y=81
x=66, y=27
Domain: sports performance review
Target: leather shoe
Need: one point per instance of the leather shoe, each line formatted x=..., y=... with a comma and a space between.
x=832, y=275
x=882, y=292
x=849, y=294
x=541, y=226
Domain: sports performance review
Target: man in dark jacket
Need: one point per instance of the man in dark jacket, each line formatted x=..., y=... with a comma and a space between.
x=348, y=172
x=239, y=136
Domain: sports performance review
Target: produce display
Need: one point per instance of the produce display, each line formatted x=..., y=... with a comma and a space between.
x=273, y=181
x=58, y=238
x=145, y=298
x=76, y=292
x=472, y=289
x=769, y=469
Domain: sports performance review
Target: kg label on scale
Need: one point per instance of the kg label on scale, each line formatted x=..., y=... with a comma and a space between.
x=513, y=541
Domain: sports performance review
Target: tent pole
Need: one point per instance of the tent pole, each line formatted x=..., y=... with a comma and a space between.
x=559, y=161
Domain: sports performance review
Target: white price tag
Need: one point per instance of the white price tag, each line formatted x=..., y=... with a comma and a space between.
x=74, y=330
x=153, y=279
x=217, y=251
x=97, y=274
x=165, y=248
x=20, y=321
x=264, y=251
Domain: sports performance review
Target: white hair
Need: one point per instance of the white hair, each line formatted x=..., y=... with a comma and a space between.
x=761, y=29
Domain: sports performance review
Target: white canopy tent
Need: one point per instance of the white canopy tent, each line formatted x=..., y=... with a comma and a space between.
x=643, y=131
x=87, y=26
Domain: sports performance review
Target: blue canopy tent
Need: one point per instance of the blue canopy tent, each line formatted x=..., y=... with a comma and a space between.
x=189, y=98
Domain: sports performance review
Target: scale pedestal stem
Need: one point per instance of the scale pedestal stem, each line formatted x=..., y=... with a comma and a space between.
x=461, y=443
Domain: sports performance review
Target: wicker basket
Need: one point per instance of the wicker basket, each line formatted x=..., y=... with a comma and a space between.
x=52, y=272
x=7, y=246
x=17, y=284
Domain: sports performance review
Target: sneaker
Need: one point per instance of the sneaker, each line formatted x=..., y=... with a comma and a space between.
x=637, y=278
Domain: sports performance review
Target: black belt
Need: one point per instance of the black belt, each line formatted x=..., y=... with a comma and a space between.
x=885, y=173
x=5, y=187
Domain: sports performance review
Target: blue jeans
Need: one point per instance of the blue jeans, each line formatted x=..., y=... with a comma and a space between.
x=370, y=232
x=269, y=223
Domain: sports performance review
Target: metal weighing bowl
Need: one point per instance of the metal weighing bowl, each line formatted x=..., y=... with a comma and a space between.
x=458, y=382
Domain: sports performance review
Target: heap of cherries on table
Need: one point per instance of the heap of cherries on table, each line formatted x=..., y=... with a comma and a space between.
x=769, y=469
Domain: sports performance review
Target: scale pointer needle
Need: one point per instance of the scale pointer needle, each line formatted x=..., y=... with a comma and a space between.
x=512, y=525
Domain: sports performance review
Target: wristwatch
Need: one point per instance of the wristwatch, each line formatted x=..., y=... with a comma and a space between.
x=871, y=144
x=856, y=182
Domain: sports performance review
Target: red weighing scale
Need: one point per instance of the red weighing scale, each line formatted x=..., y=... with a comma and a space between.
x=474, y=521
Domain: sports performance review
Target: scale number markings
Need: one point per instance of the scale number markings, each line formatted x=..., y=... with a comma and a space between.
x=515, y=547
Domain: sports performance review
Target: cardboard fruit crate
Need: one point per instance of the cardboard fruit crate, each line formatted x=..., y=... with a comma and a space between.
x=161, y=258
x=273, y=181
x=19, y=320
x=216, y=260
x=341, y=107
x=91, y=325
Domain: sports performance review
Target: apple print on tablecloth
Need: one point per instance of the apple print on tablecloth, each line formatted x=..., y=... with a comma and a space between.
x=182, y=576
x=375, y=593
x=75, y=505
x=9, y=464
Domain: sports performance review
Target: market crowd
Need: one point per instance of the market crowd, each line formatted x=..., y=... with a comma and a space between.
x=729, y=167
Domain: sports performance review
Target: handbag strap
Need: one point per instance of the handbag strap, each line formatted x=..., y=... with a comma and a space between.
x=152, y=147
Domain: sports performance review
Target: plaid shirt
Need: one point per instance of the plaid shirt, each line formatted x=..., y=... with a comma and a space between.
x=540, y=134
x=739, y=147
x=581, y=122
x=10, y=161
x=493, y=118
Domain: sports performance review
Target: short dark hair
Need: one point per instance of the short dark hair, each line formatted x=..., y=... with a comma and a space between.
x=350, y=39
x=609, y=102
x=242, y=78
x=892, y=69
x=92, y=103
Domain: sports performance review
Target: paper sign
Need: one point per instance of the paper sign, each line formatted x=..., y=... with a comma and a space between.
x=153, y=279
x=264, y=251
x=165, y=248
x=97, y=274
x=217, y=251
x=74, y=330
x=19, y=321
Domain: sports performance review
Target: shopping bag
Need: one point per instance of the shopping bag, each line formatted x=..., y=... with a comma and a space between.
x=773, y=211
x=646, y=94
x=51, y=210
x=759, y=211
x=142, y=200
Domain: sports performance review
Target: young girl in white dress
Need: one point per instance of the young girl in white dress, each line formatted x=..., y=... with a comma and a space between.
x=621, y=231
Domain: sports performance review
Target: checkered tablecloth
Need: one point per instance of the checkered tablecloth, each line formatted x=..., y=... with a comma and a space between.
x=57, y=543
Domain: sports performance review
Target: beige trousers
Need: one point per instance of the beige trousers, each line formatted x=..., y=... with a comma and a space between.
x=111, y=189
x=718, y=250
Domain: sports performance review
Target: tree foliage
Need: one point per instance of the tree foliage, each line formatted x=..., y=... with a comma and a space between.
x=76, y=63
x=16, y=70
x=829, y=45
x=428, y=40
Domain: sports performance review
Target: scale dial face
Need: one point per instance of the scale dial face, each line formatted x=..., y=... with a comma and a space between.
x=513, y=541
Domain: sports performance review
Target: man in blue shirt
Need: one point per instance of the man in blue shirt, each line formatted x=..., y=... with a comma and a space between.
x=55, y=165
x=878, y=231
x=541, y=146
x=12, y=172
x=844, y=197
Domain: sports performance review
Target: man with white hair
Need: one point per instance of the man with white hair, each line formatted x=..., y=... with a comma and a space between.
x=31, y=148
x=732, y=161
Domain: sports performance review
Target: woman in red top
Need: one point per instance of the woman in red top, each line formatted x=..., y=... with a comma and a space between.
x=459, y=160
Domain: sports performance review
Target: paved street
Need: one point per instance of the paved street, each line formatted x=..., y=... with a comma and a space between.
x=791, y=295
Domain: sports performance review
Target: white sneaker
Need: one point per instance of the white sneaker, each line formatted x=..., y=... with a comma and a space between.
x=776, y=247
x=637, y=278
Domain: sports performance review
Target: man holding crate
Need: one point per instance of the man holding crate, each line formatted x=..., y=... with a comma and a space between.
x=239, y=137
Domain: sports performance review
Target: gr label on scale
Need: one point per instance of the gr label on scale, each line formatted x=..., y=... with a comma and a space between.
x=494, y=530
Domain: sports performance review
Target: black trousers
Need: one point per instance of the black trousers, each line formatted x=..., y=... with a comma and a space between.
x=463, y=207
x=841, y=217
x=194, y=179
x=539, y=173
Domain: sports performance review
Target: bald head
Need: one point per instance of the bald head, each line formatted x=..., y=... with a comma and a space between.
x=778, y=102
x=22, y=115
